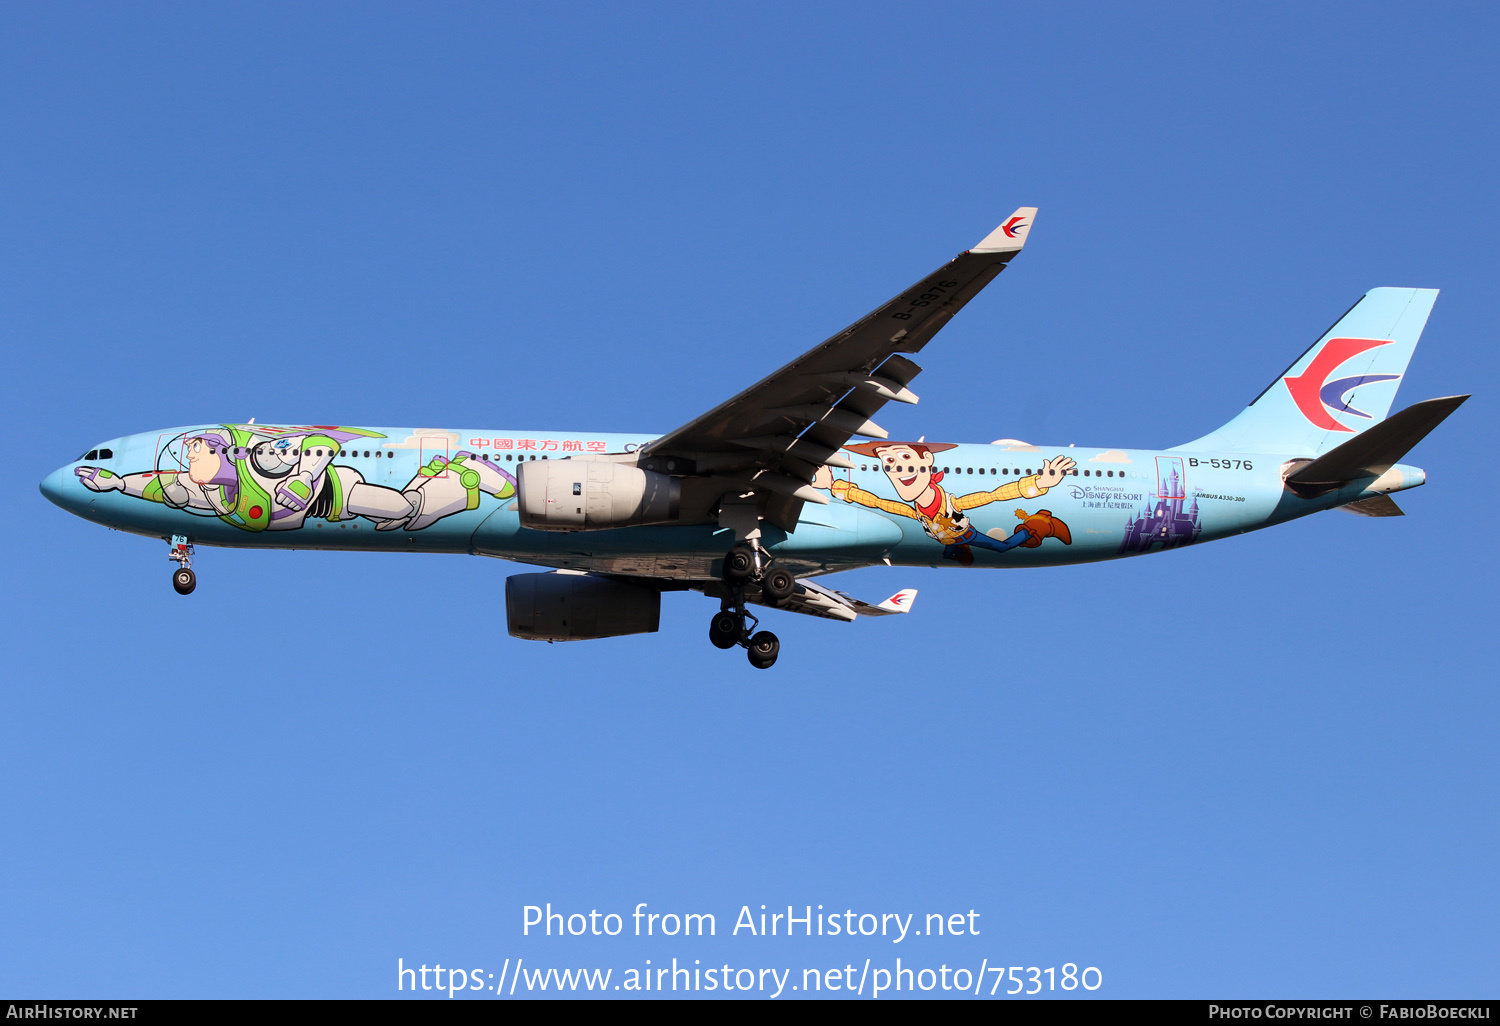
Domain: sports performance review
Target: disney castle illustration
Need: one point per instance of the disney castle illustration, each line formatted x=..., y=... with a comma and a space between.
x=1166, y=523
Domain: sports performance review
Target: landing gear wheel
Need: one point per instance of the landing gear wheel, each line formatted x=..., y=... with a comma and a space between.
x=778, y=585
x=739, y=564
x=184, y=581
x=764, y=648
x=724, y=630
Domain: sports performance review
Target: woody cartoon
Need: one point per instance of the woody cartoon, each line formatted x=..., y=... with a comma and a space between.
x=917, y=480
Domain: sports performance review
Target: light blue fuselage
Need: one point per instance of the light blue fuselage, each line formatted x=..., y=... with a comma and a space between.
x=1116, y=503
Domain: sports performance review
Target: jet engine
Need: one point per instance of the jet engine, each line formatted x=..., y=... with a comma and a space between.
x=591, y=495
x=577, y=607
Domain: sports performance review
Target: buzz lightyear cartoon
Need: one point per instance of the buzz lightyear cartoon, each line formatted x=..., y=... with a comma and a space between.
x=262, y=478
x=912, y=470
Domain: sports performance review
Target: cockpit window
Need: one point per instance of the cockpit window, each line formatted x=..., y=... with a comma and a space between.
x=92, y=454
x=106, y=454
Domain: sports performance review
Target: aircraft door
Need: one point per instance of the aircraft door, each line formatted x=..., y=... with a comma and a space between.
x=435, y=448
x=1171, y=483
x=171, y=454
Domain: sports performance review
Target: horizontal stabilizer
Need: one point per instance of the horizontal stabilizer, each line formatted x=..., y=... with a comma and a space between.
x=897, y=603
x=1375, y=506
x=815, y=600
x=1378, y=448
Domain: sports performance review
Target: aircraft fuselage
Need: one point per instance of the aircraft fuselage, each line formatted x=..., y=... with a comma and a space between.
x=388, y=489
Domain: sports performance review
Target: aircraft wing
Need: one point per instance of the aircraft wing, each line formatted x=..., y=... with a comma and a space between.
x=774, y=435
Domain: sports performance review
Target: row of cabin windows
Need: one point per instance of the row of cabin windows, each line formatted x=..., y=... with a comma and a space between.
x=107, y=454
x=1002, y=472
x=240, y=450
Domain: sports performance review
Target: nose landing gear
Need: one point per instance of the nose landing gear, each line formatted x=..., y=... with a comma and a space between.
x=183, y=578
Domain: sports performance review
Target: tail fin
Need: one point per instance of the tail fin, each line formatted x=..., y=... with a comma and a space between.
x=1344, y=384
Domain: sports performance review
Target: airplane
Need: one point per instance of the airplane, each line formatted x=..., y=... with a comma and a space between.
x=756, y=500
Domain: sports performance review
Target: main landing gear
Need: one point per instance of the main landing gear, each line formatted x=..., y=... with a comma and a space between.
x=183, y=578
x=744, y=565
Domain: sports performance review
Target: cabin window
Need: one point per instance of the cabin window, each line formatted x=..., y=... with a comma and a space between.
x=577, y=487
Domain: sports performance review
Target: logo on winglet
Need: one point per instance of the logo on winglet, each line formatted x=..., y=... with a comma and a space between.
x=1318, y=398
x=1010, y=227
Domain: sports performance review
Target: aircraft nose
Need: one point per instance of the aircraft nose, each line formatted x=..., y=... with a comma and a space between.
x=53, y=486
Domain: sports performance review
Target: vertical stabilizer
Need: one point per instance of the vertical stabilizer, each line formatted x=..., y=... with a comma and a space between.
x=1344, y=384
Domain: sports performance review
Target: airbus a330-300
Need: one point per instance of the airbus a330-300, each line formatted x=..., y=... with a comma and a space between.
x=761, y=498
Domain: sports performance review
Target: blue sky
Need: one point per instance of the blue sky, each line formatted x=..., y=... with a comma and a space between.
x=1264, y=767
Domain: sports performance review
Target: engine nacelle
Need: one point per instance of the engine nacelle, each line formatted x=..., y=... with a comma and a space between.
x=591, y=495
x=577, y=607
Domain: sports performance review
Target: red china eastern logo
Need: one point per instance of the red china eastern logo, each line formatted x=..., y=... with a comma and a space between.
x=1010, y=227
x=1316, y=396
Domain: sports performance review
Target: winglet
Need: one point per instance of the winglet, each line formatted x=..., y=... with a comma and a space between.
x=1011, y=235
x=899, y=602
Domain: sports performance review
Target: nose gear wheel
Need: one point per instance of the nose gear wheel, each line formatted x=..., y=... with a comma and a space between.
x=183, y=578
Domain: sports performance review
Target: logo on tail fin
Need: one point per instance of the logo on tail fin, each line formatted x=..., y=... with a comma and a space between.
x=1010, y=227
x=1316, y=396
